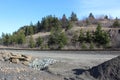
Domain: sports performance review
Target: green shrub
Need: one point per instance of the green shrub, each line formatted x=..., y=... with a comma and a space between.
x=84, y=46
x=39, y=41
x=91, y=45
x=31, y=42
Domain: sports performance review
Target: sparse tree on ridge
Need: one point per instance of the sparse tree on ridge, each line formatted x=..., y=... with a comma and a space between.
x=69, y=25
x=116, y=23
x=73, y=17
x=64, y=21
x=106, y=17
x=38, y=26
x=91, y=16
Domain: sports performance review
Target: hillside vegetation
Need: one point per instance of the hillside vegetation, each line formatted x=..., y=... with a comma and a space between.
x=66, y=33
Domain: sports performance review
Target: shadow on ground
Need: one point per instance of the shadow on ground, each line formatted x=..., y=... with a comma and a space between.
x=78, y=71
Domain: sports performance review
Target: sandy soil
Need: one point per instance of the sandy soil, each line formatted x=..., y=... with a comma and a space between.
x=67, y=68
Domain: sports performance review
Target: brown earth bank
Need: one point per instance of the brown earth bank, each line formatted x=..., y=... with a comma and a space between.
x=14, y=65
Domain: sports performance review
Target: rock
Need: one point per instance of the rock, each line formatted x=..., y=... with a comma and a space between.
x=16, y=55
x=27, y=58
x=15, y=60
x=26, y=63
x=42, y=63
x=5, y=56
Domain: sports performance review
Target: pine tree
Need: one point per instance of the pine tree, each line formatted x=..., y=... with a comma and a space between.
x=101, y=36
x=116, y=23
x=91, y=45
x=73, y=17
x=81, y=36
x=21, y=37
x=38, y=26
x=57, y=38
x=39, y=41
x=88, y=37
x=6, y=39
x=64, y=21
x=31, y=42
x=106, y=17
x=69, y=25
x=91, y=16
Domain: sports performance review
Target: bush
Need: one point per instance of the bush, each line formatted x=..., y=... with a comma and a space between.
x=101, y=36
x=57, y=38
x=81, y=36
x=88, y=37
x=84, y=46
x=91, y=45
x=116, y=23
x=31, y=42
x=39, y=41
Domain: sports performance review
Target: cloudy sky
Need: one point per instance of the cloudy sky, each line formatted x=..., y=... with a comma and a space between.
x=17, y=13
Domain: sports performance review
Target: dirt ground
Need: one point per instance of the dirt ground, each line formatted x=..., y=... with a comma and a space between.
x=69, y=66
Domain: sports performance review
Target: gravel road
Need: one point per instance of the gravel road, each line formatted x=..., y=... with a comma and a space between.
x=85, y=58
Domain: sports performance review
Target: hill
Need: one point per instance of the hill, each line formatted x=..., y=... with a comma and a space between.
x=66, y=33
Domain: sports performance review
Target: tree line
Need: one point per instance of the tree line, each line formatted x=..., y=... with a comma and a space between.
x=57, y=38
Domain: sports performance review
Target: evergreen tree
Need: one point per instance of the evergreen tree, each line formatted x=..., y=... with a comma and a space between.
x=116, y=23
x=106, y=17
x=101, y=36
x=81, y=36
x=83, y=46
x=91, y=16
x=13, y=39
x=38, y=26
x=50, y=22
x=69, y=25
x=39, y=41
x=64, y=21
x=6, y=39
x=27, y=30
x=57, y=38
x=98, y=33
x=88, y=37
x=21, y=37
x=73, y=17
x=31, y=42
x=34, y=29
x=91, y=45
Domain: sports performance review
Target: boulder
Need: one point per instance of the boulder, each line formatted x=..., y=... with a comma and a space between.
x=15, y=60
x=27, y=57
x=26, y=63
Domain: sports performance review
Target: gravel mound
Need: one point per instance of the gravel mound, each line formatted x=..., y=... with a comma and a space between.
x=109, y=70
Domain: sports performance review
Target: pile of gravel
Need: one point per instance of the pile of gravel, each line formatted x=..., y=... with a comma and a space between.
x=109, y=70
x=40, y=64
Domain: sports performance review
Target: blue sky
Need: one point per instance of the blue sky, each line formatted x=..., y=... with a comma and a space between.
x=17, y=13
